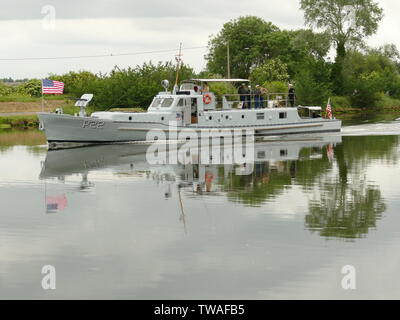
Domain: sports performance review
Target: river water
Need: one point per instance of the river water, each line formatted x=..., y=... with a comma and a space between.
x=115, y=227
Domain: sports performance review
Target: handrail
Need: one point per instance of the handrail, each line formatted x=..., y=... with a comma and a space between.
x=254, y=100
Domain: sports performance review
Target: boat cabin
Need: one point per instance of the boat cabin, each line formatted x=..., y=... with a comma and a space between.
x=193, y=103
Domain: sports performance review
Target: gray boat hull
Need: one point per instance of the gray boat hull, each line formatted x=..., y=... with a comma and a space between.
x=60, y=128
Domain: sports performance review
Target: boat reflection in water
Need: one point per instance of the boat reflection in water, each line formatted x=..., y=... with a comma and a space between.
x=341, y=202
x=278, y=164
x=204, y=176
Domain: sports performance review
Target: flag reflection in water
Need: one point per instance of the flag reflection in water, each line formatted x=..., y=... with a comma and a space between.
x=56, y=203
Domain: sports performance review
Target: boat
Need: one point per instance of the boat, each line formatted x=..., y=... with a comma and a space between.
x=187, y=109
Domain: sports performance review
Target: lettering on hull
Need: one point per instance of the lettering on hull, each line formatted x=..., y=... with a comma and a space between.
x=93, y=124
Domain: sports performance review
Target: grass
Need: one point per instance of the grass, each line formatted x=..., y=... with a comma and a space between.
x=27, y=98
x=342, y=105
x=24, y=106
x=25, y=121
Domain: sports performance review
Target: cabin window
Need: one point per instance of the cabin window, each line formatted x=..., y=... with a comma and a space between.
x=181, y=103
x=261, y=155
x=283, y=153
x=260, y=116
x=167, y=102
x=282, y=115
x=162, y=102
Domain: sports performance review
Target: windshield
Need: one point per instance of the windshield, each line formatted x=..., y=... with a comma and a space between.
x=162, y=102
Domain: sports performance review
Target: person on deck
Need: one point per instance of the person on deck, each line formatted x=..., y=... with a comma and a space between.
x=257, y=97
x=248, y=97
x=242, y=95
x=291, y=96
x=206, y=88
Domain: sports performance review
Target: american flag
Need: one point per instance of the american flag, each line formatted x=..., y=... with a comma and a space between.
x=329, y=109
x=52, y=87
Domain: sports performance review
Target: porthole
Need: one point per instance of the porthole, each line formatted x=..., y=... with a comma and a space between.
x=242, y=116
x=162, y=118
x=210, y=118
x=226, y=117
x=130, y=118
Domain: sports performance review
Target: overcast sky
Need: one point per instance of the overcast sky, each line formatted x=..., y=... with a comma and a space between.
x=97, y=27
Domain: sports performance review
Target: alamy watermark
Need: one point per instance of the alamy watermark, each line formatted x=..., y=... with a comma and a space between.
x=349, y=280
x=205, y=146
x=49, y=17
x=49, y=279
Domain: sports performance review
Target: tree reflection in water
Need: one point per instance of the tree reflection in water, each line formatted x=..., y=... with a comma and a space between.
x=349, y=205
x=342, y=203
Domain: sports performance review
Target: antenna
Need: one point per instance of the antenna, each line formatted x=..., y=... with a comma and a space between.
x=178, y=59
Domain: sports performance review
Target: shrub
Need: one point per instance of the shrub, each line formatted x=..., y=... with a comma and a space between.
x=272, y=70
x=340, y=102
x=276, y=87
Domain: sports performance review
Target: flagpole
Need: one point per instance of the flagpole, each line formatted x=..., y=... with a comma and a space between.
x=42, y=98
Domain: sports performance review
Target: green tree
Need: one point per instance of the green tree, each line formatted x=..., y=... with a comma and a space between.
x=272, y=70
x=347, y=21
x=369, y=75
x=247, y=38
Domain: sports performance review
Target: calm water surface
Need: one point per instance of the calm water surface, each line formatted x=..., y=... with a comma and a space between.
x=115, y=227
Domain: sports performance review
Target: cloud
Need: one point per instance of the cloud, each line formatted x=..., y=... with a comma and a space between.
x=102, y=27
x=26, y=9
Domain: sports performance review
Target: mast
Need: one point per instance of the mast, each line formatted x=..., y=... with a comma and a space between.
x=178, y=64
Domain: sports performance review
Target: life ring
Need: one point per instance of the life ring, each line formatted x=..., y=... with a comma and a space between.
x=207, y=99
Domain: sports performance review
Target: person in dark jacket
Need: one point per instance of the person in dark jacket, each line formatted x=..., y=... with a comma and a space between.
x=243, y=91
x=291, y=96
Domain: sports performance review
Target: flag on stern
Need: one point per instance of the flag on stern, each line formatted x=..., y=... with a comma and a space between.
x=52, y=87
x=329, y=109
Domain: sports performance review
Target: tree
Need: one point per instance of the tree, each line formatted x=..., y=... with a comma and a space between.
x=347, y=21
x=247, y=38
x=272, y=70
x=367, y=76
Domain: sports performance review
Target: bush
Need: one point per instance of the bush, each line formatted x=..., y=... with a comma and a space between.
x=4, y=89
x=31, y=88
x=340, y=102
x=276, y=87
x=272, y=70
x=386, y=101
x=309, y=91
x=365, y=90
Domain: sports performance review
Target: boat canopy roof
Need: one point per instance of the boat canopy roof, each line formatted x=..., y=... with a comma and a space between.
x=220, y=80
x=311, y=108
